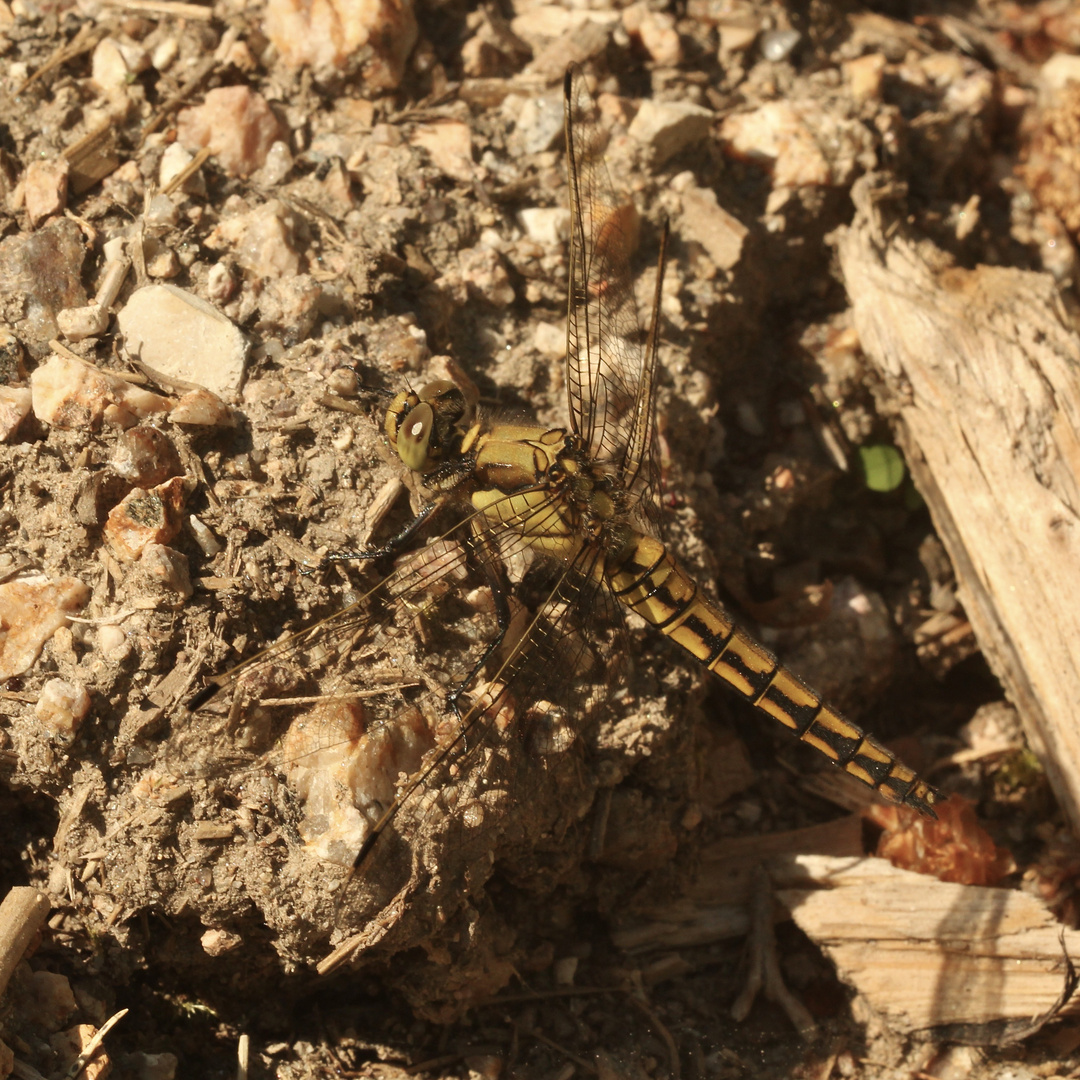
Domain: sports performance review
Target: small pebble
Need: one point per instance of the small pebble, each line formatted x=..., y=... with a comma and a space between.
x=220, y=283
x=77, y=324
x=667, y=127
x=145, y=456
x=218, y=942
x=657, y=33
x=343, y=439
x=777, y=45
x=550, y=340
x=163, y=264
x=278, y=164
x=484, y=273
x=62, y=706
x=165, y=54
x=167, y=566
x=46, y=189
x=539, y=124
x=545, y=224
x=705, y=221
x=344, y=382
x=203, y=408
x=235, y=123
x=205, y=537
x=162, y=212
x=113, y=643
x=449, y=145
x=115, y=63
x=174, y=161
x=145, y=517
x=564, y=970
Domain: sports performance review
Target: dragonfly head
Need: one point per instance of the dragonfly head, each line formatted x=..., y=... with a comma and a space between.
x=427, y=427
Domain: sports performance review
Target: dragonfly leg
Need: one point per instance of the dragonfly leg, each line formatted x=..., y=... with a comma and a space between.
x=397, y=543
x=496, y=580
x=445, y=479
x=497, y=583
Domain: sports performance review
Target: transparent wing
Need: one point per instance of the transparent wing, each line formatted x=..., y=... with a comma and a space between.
x=610, y=362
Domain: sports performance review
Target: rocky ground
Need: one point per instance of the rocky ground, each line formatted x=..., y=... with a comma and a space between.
x=359, y=203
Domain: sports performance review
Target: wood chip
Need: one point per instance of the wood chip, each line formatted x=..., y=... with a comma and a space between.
x=924, y=952
x=22, y=915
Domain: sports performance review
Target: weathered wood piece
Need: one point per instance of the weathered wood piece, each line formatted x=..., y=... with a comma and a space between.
x=981, y=371
x=924, y=952
x=22, y=914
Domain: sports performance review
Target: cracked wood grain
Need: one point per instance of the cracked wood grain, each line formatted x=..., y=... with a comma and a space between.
x=979, y=371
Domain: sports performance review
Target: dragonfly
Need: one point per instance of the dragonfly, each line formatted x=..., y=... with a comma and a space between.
x=463, y=678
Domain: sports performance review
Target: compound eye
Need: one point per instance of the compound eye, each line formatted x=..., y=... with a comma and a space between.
x=437, y=389
x=399, y=408
x=414, y=438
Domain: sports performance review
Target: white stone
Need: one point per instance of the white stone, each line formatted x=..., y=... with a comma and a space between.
x=538, y=124
x=550, y=340
x=546, y=224
x=62, y=706
x=449, y=143
x=113, y=643
x=77, y=324
x=70, y=393
x=1059, y=70
x=14, y=409
x=115, y=62
x=202, y=407
x=667, y=127
x=165, y=54
x=184, y=338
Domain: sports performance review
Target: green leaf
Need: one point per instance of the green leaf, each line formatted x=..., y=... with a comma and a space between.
x=883, y=467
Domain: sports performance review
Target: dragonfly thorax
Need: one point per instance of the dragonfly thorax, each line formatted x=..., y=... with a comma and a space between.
x=597, y=496
x=541, y=484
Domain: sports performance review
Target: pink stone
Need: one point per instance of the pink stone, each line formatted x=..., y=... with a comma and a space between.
x=71, y=1044
x=14, y=409
x=70, y=393
x=330, y=33
x=236, y=124
x=46, y=189
x=145, y=517
x=31, y=611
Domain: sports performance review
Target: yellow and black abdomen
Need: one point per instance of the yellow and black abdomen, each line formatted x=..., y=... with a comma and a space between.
x=649, y=581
